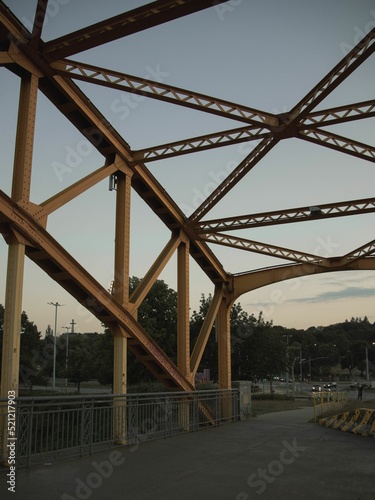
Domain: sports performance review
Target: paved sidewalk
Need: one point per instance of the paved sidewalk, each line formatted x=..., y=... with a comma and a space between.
x=279, y=456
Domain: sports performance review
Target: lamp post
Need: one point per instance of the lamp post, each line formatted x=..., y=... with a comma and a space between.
x=56, y=305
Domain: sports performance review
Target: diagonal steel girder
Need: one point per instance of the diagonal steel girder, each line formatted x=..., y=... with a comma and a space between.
x=259, y=151
x=163, y=92
x=50, y=256
x=72, y=102
x=133, y=21
x=339, y=143
x=262, y=248
x=359, y=253
x=289, y=128
x=300, y=214
x=337, y=75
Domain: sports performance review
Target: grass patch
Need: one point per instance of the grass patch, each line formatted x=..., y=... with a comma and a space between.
x=261, y=406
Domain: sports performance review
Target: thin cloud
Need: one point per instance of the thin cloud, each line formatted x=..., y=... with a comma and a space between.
x=350, y=292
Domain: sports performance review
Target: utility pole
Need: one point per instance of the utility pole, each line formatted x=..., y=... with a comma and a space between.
x=287, y=362
x=67, y=328
x=71, y=328
x=55, y=305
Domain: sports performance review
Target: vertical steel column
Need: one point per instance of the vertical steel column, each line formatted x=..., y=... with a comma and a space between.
x=121, y=278
x=16, y=252
x=224, y=358
x=121, y=294
x=183, y=323
x=223, y=342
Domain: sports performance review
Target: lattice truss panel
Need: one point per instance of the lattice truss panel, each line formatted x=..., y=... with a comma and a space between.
x=48, y=67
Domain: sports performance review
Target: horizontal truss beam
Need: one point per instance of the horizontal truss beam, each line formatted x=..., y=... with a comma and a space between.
x=160, y=91
x=301, y=214
x=339, y=143
x=262, y=248
x=340, y=114
x=201, y=143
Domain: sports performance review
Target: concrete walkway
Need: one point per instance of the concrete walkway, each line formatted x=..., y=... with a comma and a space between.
x=279, y=456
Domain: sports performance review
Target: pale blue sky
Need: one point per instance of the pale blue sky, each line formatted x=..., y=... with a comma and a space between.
x=264, y=54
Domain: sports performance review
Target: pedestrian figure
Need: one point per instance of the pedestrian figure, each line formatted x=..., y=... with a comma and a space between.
x=360, y=392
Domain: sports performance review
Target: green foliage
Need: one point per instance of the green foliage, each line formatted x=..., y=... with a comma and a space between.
x=158, y=316
x=259, y=348
x=269, y=396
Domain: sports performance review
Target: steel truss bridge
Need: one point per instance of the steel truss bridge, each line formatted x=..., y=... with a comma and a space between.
x=49, y=68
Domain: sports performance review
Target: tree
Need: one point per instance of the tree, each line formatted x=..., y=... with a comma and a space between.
x=30, y=370
x=80, y=361
x=158, y=316
x=102, y=351
x=264, y=354
x=242, y=326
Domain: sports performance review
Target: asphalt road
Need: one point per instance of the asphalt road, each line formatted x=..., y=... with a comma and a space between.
x=276, y=456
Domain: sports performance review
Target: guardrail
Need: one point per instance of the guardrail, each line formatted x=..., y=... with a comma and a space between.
x=325, y=401
x=50, y=428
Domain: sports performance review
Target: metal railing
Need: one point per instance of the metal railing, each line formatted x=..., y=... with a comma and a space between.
x=327, y=401
x=50, y=428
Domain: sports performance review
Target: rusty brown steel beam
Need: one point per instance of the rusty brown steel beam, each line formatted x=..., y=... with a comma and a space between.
x=152, y=274
x=339, y=143
x=363, y=251
x=71, y=101
x=79, y=187
x=133, y=21
x=233, y=178
x=289, y=129
x=201, y=143
x=206, y=330
x=337, y=75
x=339, y=114
x=50, y=256
x=262, y=248
x=39, y=18
x=163, y=92
x=288, y=216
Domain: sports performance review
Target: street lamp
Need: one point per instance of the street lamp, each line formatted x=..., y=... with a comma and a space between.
x=56, y=305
